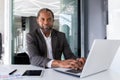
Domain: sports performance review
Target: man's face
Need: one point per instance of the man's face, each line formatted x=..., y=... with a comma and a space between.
x=45, y=21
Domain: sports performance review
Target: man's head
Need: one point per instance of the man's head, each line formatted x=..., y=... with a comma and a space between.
x=45, y=19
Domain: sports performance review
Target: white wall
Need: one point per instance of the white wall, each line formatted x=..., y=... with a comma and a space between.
x=113, y=29
x=7, y=31
x=2, y=17
x=114, y=19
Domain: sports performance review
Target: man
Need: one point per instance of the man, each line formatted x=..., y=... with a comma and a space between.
x=46, y=45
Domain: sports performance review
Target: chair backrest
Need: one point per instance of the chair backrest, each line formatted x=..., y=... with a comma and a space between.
x=21, y=58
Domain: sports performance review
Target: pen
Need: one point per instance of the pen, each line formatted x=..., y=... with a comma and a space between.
x=12, y=72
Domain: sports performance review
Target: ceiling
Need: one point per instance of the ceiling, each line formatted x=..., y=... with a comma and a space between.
x=31, y=7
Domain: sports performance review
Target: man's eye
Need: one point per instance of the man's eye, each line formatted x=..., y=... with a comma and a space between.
x=49, y=19
x=42, y=19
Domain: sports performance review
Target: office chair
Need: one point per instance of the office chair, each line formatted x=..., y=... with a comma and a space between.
x=21, y=58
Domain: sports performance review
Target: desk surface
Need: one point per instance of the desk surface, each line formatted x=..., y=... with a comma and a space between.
x=50, y=74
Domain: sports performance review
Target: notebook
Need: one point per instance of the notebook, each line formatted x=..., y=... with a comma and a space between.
x=99, y=59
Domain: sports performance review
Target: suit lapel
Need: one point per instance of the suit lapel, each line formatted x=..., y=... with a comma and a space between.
x=54, y=42
x=42, y=40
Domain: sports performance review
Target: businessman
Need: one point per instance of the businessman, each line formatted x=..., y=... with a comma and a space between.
x=45, y=45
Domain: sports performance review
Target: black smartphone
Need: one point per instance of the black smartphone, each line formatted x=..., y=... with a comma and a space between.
x=33, y=73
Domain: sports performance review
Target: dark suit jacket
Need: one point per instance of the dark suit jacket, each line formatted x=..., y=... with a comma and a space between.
x=37, y=49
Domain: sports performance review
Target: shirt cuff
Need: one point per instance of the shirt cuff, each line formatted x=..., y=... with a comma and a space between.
x=49, y=64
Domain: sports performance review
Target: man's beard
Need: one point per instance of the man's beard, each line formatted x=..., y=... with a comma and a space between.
x=46, y=29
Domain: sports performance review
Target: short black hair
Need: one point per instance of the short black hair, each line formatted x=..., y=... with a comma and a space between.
x=45, y=9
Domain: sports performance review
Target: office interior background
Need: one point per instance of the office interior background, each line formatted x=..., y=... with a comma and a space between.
x=81, y=20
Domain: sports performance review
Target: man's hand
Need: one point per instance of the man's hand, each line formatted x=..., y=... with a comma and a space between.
x=81, y=61
x=70, y=63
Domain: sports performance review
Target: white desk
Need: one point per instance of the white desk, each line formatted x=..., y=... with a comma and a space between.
x=50, y=74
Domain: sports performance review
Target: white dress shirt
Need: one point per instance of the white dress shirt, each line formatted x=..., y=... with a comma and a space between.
x=49, y=48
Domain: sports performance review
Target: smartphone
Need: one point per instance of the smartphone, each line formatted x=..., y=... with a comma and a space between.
x=33, y=73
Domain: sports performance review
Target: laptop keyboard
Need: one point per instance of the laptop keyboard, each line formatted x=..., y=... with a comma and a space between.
x=74, y=71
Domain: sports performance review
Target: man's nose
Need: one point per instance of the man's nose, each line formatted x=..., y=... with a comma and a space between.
x=46, y=22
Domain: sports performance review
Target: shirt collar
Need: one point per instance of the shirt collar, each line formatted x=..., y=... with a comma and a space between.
x=44, y=34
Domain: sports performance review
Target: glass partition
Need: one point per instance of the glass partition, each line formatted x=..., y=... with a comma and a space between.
x=68, y=19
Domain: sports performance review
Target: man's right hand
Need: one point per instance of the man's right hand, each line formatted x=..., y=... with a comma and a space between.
x=70, y=63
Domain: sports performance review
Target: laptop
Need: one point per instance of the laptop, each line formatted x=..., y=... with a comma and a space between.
x=99, y=59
